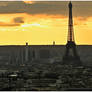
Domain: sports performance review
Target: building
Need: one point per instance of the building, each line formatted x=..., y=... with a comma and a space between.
x=22, y=54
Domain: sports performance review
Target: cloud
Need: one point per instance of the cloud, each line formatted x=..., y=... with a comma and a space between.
x=38, y=7
x=80, y=8
x=9, y=24
x=49, y=7
x=12, y=7
x=18, y=20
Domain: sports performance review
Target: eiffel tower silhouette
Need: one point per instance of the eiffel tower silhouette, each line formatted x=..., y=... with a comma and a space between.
x=71, y=54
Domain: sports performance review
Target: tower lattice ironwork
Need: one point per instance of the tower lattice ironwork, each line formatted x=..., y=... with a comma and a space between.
x=71, y=52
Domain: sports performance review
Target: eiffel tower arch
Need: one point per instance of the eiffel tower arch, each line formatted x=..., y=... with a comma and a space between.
x=71, y=55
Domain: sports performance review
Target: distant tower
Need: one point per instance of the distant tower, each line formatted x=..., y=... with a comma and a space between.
x=26, y=52
x=71, y=54
x=53, y=42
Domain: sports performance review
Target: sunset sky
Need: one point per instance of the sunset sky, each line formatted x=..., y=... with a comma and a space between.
x=42, y=22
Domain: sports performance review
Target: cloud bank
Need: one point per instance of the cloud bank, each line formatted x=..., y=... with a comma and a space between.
x=80, y=8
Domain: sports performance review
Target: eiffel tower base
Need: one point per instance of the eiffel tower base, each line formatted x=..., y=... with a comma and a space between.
x=72, y=60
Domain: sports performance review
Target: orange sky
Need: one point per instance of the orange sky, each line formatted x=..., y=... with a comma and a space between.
x=42, y=29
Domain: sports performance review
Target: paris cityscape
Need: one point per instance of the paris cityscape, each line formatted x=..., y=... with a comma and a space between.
x=45, y=67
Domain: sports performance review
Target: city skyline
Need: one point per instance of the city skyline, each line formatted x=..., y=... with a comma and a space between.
x=42, y=22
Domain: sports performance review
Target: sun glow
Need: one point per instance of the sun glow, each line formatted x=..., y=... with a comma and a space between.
x=28, y=2
x=30, y=25
x=42, y=29
x=25, y=25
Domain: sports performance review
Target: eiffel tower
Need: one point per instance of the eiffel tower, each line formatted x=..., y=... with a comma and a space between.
x=71, y=56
